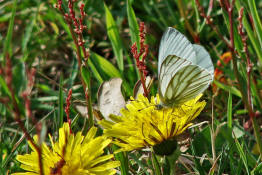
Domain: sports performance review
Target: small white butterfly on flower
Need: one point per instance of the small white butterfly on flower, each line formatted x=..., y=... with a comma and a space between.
x=184, y=70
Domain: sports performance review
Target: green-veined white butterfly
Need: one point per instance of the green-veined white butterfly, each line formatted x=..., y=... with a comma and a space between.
x=184, y=70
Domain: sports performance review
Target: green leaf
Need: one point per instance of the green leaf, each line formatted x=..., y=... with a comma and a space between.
x=227, y=88
x=105, y=70
x=61, y=103
x=257, y=169
x=198, y=168
x=250, y=33
x=123, y=158
x=28, y=30
x=114, y=37
x=256, y=19
x=143, y=165
x=157, y=169
x=7, y=43
x=242, y=155
x=4, y=87
x=105, y=67
x=229, y=111
x=43, y=132
x=133, y=26
x=85, y=73
x=61, y=20
x=237, y=38
x=19, y=77
x=45, y=99
x=73, y=73
x=95, y=71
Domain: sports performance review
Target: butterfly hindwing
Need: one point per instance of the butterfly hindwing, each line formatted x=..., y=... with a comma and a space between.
x=203, y=59
x=186, y=84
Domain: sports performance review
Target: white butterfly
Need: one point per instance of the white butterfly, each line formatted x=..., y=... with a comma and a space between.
x=185, y=70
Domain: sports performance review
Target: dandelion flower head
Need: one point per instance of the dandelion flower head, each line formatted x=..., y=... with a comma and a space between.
x=71, y=155
x=143, y=124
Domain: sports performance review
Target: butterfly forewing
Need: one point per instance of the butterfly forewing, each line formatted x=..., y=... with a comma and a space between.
x=174, y=43
x=168, y=69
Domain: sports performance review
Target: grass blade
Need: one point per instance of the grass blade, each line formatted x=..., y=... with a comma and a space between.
x=156, y=165
x=74, y=72
x=60, y=103
x=257, y=169
x=232, y=89
x=7, y=44
x=122, y=157
x=29, y=29
x=256, y=19
x=141, y=164
x=95, y=71
x=85, y=73
x=133, y=26
x=4, y=87
x=114, y=37
x=251, y=35
x=242, y=155
x=104, y=67
x=229, y=111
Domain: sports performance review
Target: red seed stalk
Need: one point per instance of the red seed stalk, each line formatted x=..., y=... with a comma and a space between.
x=76, y=27
x=67, y=109
x=142, y=52
x=26, y=96
x=249, y=64
x=27, y=92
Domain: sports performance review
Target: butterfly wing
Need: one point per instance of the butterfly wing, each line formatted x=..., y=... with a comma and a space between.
x=203, y=59
x=185, y=69
x=180, y=80
x=168, y=69
x=175, y=43
x=186, y=84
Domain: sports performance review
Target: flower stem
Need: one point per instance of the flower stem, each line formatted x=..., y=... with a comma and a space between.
x=156, y=165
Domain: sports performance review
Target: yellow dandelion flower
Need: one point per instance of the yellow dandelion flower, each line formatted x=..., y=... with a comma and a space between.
x=71, y=155
x=143, y=124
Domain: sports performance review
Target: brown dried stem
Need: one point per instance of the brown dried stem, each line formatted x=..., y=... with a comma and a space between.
x=17, y=113
x=187, y=24
x=249, y=70
x=209, y=21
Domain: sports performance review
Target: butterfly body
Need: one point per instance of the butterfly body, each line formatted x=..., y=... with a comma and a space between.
x=185, y=70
